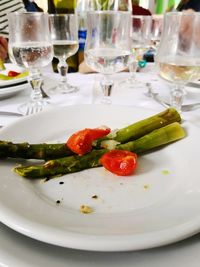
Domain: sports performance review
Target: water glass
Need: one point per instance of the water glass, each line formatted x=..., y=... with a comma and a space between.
x=108, y=45
x=64, y=36
x=30, y=47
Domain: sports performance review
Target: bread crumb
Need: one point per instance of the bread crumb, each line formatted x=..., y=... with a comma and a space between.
x=86, y=209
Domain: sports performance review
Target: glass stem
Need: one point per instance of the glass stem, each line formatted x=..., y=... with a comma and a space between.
x=35, y=79
x=132, y=69
x=63, y=69
x=177, y=95
x=106, y=85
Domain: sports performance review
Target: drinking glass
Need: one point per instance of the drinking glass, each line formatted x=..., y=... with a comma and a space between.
x=141, y=41
x=156, y=30
x=107, y=47
x=64, y=35
x=30, y=47
x=178, y=56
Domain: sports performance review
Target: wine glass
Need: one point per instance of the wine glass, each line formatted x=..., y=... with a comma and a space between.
x=30, y=47
x=141, y=41
x=64, y=35
x=178, y=55
x=156, y=30
x=107, y=47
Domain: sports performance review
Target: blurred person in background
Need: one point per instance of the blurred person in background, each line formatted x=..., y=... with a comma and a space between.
x=189, y=4
x=3, y=49
x=7, y=7
x=138, y=10
x=31, y=6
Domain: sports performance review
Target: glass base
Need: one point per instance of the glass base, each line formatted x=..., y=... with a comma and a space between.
x=131, y=83
x=106, y=100
x=33, y=107
x=65, y=89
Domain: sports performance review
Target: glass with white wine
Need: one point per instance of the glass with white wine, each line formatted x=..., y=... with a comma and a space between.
x=64, y=36
x=178, y=56
x=141, y=42
x=108, y=45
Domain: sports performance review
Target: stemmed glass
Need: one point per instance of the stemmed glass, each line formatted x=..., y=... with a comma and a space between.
x=107, y=47
x=30, y=47
x=64, y=35
x=156, y=30
x=178, y=55
x=141, y=41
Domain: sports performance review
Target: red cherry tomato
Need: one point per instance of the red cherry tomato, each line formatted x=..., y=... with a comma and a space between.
x=81, y=141
x=13, y=73
x=119, y=162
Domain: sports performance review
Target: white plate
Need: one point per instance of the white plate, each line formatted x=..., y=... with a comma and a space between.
x=148, y=209
x=10, y=66
x=12, y=90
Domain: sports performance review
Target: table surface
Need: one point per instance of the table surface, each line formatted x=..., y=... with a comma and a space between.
x=18, y=250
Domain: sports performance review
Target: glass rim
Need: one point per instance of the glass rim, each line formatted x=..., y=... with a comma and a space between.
x=63, y=15
x=108, y=12
x=182, y=13
x=27, y=13
x=141, y=16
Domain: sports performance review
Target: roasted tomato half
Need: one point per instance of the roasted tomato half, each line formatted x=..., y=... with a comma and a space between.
x=81, y=141
x=119, y=162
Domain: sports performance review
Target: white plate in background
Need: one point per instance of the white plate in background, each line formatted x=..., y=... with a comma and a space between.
x=10, y=66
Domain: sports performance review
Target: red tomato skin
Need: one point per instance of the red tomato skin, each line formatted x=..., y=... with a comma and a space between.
x=97, y=133
x=81, y=141
x=119, y=162
x=13, y=73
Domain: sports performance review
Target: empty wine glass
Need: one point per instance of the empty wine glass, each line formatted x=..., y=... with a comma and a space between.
x=178, y=55
x=64, y=35
x=30, y=46
x=141, y=41
x=156, y=30
x=107, y=48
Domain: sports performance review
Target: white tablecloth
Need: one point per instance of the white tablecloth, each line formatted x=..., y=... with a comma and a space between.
x=17, y=250
x=90, y=93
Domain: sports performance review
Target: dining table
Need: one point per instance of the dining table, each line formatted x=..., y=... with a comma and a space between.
x=17, y=249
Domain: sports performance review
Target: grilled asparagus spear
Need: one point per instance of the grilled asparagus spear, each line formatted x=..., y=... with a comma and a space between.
x=53, y=151
x=156, y=138
x=145, y=126
x=33, y=151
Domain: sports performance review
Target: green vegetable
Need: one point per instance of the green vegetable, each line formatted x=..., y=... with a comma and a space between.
x=143, y=127
x=58, y=167
x=33, y=151
x=53, y=151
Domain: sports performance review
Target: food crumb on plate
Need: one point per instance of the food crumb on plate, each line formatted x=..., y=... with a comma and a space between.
x=146, y=186
x=86, y=209
x=165, y=172
x=95, y=197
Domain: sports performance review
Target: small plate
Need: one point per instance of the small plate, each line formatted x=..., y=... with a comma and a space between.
x=12, y=90
x=156, y=206
x=10, y=66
